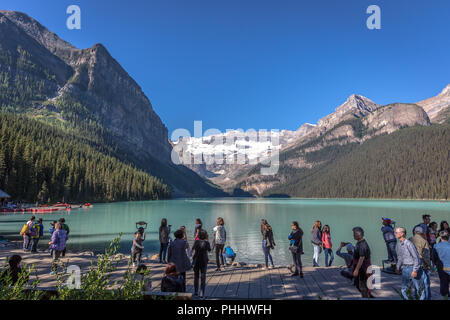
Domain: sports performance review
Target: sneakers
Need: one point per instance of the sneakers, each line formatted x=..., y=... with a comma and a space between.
x=271, y=267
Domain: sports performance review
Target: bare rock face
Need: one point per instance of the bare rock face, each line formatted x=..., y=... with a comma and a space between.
x=97, y=81
x=393, y=117
x=438, y=107
x=356, y=106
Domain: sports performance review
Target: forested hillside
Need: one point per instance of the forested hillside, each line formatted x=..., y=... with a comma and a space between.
x=411, y=163
x=40, y=162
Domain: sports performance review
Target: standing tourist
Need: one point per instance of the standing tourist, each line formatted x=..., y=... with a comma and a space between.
x=172, y=281
x=197, y=228
x=433, y=233
x=409, y=261
x=201, y=248
x=219, y=239
x=263, y=223
x=316, y=239
x=57, y=244
x=35, y=232
x=177, y=254
x=51, y=230
x=188, y=248
x=390, y=240
x=441, y=259
x=361, y=260
x=137, y=248
x=26, y=233
x=444, y=227
x=66, y=228
x=424, y=251
x=327, y=245
x=296, y=248
x=426, y=218
x=268, y=244
x=164, y=232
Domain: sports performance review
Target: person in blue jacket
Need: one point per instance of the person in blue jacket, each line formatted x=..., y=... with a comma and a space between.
x=228, y=253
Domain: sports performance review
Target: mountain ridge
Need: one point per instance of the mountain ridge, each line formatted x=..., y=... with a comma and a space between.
x=50, y=80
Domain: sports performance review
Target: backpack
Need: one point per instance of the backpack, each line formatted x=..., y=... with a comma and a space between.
x=24, y=230
x=34, y=231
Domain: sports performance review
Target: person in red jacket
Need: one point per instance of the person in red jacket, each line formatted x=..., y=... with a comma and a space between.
x=326, y=240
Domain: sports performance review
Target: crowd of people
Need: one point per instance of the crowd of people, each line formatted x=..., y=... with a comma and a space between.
x=32, y=231
x=426, y=251
x=414, y=258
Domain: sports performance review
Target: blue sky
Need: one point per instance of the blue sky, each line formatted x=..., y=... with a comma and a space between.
x=262, y=64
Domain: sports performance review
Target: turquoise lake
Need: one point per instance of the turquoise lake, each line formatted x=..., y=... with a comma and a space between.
x=93, y=228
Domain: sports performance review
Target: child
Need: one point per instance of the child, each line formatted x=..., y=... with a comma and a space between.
x=326, y=240
x=228, y=253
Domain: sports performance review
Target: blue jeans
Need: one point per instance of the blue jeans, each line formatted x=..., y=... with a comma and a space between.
x=34, y=244
x=426, y=284
x=392, y=253
x=163, y=252
x=267, y=254
x=225, y=256
x=416, y=282
x=328, y=252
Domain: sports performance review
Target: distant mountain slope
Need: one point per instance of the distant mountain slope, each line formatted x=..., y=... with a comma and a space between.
x=40, y=162
x=412, y=163
x=438, y=107
x=88, y=92
x=335, y=140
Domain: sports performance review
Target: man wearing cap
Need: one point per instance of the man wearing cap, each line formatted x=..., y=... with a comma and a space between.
x=389, y=238
x=409, y=263
x=441, y=259
x=423, y=249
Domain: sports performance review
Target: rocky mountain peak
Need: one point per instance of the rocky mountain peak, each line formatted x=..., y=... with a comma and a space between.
x=37, y=31
x=356, y=106
x=445, y=91
x=438, y=106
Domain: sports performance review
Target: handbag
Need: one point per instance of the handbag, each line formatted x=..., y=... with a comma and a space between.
x=293, y=249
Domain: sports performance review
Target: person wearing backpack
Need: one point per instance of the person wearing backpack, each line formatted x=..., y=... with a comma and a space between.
x=35, y=232
x=25, y=232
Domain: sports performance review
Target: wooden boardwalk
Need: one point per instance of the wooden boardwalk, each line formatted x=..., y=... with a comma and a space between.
x=243, y=282
x=257, y=283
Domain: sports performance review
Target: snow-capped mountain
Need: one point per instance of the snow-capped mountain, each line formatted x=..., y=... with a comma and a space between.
x=237, y=148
